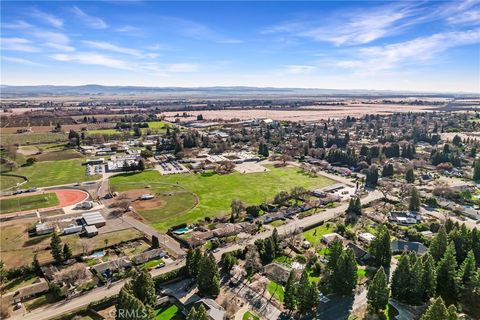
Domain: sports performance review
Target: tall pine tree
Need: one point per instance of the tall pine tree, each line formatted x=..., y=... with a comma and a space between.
x=378, y=292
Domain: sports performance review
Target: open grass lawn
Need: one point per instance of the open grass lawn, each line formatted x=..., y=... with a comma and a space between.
x=249, y=316
x=40, y=301
x=23, y=203
x=17, y=248
x=7, y=182
x=107, y=132
x=50, y=173
x=152, y=263
x=170, y=312
x=276, y=291
x=215, y=192
x=314, y=236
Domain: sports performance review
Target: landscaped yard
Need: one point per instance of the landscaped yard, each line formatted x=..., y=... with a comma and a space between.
x=153, y=263
x=215, y=192
x=314, y=236
x=249, y=316
x=23, y=203
x=17, y=248
x=50, y=173
x=276, y=291
x=170, y=312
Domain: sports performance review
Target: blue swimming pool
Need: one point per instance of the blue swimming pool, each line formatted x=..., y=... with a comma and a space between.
x=181, y=230
x=98, y=254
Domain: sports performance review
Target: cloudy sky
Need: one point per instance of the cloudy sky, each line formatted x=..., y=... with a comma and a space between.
x=410, y=45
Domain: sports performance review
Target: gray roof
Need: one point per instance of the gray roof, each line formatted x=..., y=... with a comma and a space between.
x=402, y=245
x=92, y=218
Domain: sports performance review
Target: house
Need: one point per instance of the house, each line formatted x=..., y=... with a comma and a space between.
x=404, y=217
x=26, y=292
x=149, y=255
x=277, y=272
x=399, y=246
x=330, y=237
x=108, y=267
x=214, y=310
x=366, y=237
x=360, y=254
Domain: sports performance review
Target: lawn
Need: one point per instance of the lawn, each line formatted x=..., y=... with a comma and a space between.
x=107, y=132
x=17, y=248
x=152, y=263
x=215, y=192
x=16, y=283
x=276, y=290
x=171, y=312
x=50, y=173
x=39, y=301
x=27, y=138
x=7, y=182
x=314, y=236
x=23, y=203
x=249, y=316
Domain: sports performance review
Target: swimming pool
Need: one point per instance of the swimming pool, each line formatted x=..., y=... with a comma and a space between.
x=97, y=254
x=182, y=230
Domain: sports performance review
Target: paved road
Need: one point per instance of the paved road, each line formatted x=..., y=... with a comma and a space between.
x=63, y=307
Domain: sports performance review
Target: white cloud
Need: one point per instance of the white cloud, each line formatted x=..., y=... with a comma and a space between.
x=91, y=21
x=92, y=58
x=422, y=49
x=21, y=61
x=47, y=17
x=18, y=44
x=59, y=47
x=19, y=24
x=182, y=67
x=230, y=41
x=299, y=69
x=114, y=48
x=49, y=36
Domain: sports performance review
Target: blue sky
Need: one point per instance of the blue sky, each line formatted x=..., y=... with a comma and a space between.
x=401, y=45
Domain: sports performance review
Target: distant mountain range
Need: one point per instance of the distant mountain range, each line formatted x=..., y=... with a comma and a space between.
x=94, y=89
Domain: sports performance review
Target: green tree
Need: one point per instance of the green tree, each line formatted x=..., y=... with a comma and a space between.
x=228, y=261
x=400, y=278
x=193, y=260
x=344, y=277
x=306, y=294
x=289, y=300
x=436, y=311
x=415, y=287
x=128, y=307
x=429, y=280
x=333, y=254
x=56, y=248
x=410, y=176
x=67, y=252
x=378, y=292
x=476, y=170
x=447, y=275
x=143, y=287
x=380, y=248
x=452, y=313
x=192, y=314
x=467, y=270
x=439, y=244
x=414, y=202
x=208, y=278
x=202, y=313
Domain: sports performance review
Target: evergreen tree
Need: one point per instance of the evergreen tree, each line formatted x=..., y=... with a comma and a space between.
x=143, y=287
x=400, y=278
x=344, y=277
x=306, y=294
x=333, y=254
x=467, y=270
x=378, y=292
x=35, y=265
x=446, y=275
x=416, y=290
x=439, y=244
x=208, y=278
x=410, y=176
x=228, y=261
x=192, y=314
x=289, y=300
x=202, y=313
x=414, y=202
x=67, y=252
x=429, y=280
x=193, y=260
x=436, y=311
x=56, y=247
x=476, y=170
x=380, y=247
x=452, y=313
x=128, y=307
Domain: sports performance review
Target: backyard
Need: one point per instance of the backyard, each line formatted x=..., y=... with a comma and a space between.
x=314, y=236
x=23, y=203
x=215, y=192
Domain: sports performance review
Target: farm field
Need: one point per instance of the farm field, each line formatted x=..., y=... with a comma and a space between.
x=23, y=203
x=32, y=138
x=50, y=173
x=214, y=192
x=17, y=248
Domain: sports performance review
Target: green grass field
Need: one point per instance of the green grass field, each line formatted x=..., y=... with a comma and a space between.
x=276, y=291
x=107, y=132
x=7, y=182
x=36, y=201
x=314, y=236
x=171, y=312
x=215, y=192
x=249, y=316
x=50, y=173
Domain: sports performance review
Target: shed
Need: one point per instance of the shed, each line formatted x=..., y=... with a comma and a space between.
x=91, y=231
x=94, y=219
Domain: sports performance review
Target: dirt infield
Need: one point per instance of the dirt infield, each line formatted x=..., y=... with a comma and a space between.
x=137, y=204
x=68, y=197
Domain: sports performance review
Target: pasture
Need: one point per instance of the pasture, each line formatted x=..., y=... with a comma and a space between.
x=29, y=202
x=214, y=192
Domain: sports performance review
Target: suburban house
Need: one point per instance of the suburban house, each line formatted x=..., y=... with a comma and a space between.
x=399, y=246
x=28, y=291
x=277, y=272
x=404, y=217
